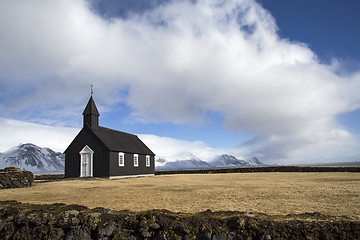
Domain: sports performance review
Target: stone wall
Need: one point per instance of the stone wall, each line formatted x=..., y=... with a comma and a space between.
x=59, y=221
x=56, y=177
x=49, y=177
x=262, y=169
x=12, y=177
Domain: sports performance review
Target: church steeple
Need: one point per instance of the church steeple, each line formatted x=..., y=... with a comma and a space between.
x=91, y=114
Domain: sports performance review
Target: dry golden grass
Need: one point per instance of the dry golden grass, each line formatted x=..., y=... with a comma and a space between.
x=334, y=194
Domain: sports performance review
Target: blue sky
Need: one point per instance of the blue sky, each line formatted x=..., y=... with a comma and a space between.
x=275, y=79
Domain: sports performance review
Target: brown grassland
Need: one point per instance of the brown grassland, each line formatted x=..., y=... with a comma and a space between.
x=335, y=194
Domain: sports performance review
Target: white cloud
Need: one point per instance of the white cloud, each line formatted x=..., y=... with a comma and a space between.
x=59, y=138
x=175, y=63
x=15, y=132
x=174, y=149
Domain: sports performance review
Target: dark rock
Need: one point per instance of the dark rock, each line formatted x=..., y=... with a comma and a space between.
x=232, y=236
x=68, y=218
x=102, y=210
x=205, y=235
x=12, y=177
x=22, y=233
x=182, y=230
x=131, y=238
x=160, y=236
x=7, y=229
x=107, y=230
x=78, y=234
x=153, y=227
x=26, y=221
x=55, y=233
x=148, y=231
x=220, y=236
x=91, y=221
x=174, y=237
x=265, y=237
x=145, y=233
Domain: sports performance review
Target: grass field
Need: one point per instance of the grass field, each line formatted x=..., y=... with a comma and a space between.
x=336, y=194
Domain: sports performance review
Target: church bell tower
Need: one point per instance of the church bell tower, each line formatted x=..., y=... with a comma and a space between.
x=91, y=114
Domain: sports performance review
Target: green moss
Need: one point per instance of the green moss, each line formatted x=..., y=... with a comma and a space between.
x=242, y=234
x=218, y=230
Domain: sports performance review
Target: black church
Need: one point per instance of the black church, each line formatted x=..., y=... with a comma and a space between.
x=102, y=152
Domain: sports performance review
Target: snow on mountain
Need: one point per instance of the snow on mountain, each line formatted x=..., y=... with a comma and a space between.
x=222, y=161
x=184, y=164
x=254, y=161
x=33, y=158
x=160, y=162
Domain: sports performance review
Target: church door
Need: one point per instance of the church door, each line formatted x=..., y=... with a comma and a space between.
x=86, y=162
x=86, y=165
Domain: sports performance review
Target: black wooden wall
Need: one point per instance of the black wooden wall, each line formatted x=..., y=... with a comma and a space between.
x=100, y=157
x=128, y=168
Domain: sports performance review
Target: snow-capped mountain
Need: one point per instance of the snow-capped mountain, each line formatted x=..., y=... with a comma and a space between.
x=44, y=160
x=222, y=161
x=254, y=161
x=184, y=164
x=33, y=158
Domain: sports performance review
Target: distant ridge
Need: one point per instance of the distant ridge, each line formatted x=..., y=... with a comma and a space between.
x=221, y=161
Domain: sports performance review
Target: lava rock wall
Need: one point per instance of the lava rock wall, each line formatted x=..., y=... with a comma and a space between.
x=261, y=169
x=12, y=177
x=60, y=221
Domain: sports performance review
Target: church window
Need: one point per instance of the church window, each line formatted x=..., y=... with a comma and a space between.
x=121, y=159
x=136, y=160
x=147, y=161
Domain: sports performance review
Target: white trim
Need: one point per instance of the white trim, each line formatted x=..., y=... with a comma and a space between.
x=136, y=160
x=131, y=176
x=148, y=160
x=85, y=151
x=121, y=156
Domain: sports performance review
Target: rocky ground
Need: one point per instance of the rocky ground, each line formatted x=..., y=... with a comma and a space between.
x=59, y=221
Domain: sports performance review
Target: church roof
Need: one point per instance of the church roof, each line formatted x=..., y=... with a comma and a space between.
x=121, y=142
x=91, y=108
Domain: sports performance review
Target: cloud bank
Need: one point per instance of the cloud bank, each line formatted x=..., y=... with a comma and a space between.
x=59, y=138
x=175, y=63
x=172, y=149
x=18, y=132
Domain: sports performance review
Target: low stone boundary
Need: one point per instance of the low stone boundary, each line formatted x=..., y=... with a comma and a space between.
x=56, y=177
x=60, y=221
x=49, y=177
x=262, y=169
x=12, y=177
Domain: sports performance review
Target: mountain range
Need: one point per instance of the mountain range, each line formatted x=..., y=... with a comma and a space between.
x=222, y=161
x=33, y=158
x=44, y=160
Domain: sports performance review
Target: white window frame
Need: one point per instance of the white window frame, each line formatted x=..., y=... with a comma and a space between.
x=121, y=159
x=148, y=162
x=136, y=160
x=86, y=150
